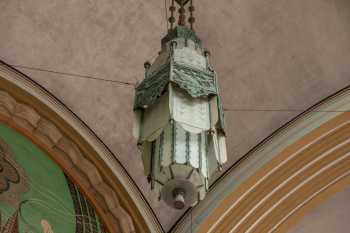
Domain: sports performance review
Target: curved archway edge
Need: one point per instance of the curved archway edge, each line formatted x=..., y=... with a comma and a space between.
x=281, y=178
x=32, y=111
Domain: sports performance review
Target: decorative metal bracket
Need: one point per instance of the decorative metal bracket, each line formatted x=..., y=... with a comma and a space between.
x=182, y=2
x=182, y=13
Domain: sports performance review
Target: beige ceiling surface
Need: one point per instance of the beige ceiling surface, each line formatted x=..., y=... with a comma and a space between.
x=330, y=217
x=274, y=58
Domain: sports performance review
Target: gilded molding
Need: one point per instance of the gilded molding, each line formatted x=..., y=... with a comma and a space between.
x=52, y=127
x=234, y=180
x=82, y=169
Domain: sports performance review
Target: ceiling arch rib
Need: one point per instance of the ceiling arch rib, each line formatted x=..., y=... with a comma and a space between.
x=296, y=168
x=305, y=160
x=27, y=108
x=309, y=167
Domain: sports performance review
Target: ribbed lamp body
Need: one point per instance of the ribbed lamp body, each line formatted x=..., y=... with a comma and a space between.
x=180, y=121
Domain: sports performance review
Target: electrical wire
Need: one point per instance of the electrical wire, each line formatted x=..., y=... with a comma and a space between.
x=281, y=110
x=76, y=75
x=130, y=84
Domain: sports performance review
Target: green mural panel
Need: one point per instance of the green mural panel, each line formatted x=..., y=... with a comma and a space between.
x=35, y=194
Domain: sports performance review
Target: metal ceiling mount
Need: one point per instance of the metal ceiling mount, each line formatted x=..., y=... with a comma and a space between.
x=182, y=2
x=179, y=116
x=182, y=13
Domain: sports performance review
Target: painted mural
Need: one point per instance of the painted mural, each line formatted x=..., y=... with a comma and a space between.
x=35, y=194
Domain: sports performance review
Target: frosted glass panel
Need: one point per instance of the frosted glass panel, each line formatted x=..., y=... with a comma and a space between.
x=222, y=148
x=190, y=111
x=194, y=150
x=180, y=145
x=166, y=157
x=155, y=118
x=190, y=57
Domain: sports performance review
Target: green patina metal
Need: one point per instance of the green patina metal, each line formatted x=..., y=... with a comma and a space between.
x=180, y=90
x=221, y=126
x=181, y=32
x=195, y=82
x=151, y=88
x=221, y=122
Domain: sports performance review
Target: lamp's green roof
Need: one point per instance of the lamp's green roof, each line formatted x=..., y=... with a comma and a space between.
x=181, y=32
x=195, y=82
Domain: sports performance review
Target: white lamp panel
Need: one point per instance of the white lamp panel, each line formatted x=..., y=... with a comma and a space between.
x=194, y=150
x=155, y=118
x=156, y=162
x=222, y=149
x=190, y=57
x=204, y=168
x=166, y=157
x=212, y=160
x=146, y=150
x=180, y=145
x=137, y=124
x=190, y=111
x=214, y=111
x=215, y=141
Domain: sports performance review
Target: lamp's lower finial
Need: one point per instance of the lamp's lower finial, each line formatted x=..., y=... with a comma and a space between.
x=179, y=198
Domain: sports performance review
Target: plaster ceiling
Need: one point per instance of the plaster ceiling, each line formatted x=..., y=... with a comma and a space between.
x=331, y=216
x=274, y=59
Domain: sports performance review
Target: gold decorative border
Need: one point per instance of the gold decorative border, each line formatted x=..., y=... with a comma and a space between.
x=230, y=190
x=29, y=109
x=68, y=155
x=268, y=200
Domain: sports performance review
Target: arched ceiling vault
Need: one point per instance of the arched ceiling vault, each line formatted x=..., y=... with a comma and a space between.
x=301, y=165
x=291, y=172
x=274, y=59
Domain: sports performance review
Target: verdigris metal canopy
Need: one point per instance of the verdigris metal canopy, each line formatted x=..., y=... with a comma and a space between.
x=196, y=82
x=185, y=67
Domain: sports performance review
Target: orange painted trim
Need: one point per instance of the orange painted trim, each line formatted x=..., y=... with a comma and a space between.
x=227, y=202
x=279, y=176
x=102, y=215
x=125, y=199
x=315, y=202
x=300, y=196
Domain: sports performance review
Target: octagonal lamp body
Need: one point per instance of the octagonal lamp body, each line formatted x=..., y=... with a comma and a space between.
x=180, y=121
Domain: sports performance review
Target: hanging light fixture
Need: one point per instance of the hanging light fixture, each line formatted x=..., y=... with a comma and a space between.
x=180, y=120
